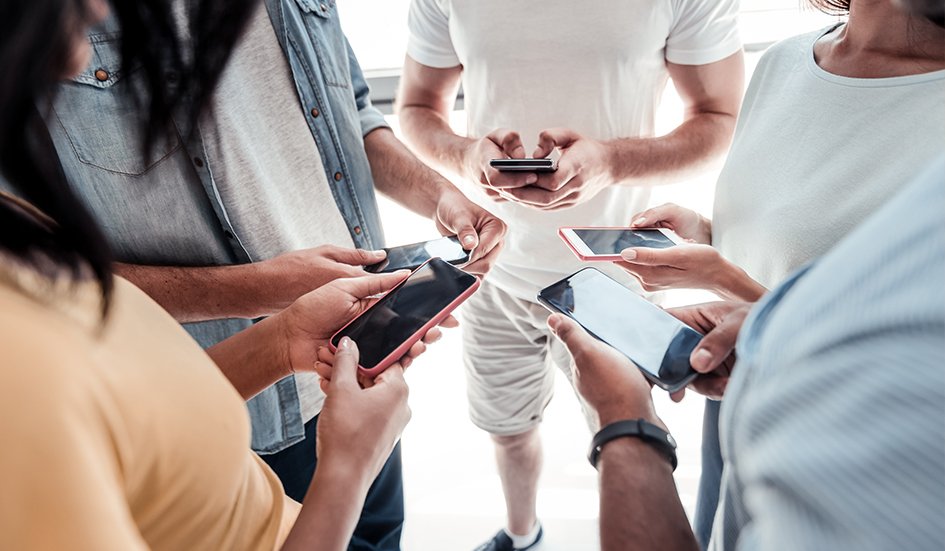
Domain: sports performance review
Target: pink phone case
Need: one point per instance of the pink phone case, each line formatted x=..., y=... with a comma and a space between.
x=591, y=258
x=403, y=348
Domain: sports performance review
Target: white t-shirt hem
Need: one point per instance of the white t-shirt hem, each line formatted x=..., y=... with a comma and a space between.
x=704, y=56
x=426, y=54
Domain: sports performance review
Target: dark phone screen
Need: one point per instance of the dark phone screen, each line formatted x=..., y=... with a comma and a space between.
x=654, y=340
x=613, y=241
x=402, y=312
x=408, y=257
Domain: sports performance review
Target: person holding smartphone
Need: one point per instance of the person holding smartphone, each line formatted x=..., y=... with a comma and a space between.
x=831, y=121
x=229, y=218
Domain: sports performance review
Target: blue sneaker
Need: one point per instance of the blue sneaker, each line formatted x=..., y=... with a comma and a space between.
x=502, y=542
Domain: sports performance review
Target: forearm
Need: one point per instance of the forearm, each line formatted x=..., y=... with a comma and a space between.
x=254, y=358
x=204, y=293
x=400, y=175
x=639, y=504
x=734, y=283
x=330, y=511
x=696, y=144
x=430, y=135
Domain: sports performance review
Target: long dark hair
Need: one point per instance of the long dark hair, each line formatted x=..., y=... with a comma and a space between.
x=36, y=39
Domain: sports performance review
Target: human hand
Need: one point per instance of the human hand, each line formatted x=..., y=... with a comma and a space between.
x=684, y=266
x=315, y=317
x=583, y=171
x=291, y=275
x=478, y=230
x=326, y=358
x=358, y=427
x=501, y=143
x=688, y=224
x=612, y=385
x=714, y=356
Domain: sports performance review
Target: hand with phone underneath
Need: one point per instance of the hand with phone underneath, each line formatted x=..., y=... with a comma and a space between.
x=412, y=256
x=500, y=144
x=694, y=264
x=397, y=322
x=604, y=244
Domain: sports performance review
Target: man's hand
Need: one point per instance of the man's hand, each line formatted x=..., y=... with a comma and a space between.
x=291, y=275
x=583, y=171
x=714, y=356
x=611, y=384
x=478, y=230
x=688, y=224
x=501, y=143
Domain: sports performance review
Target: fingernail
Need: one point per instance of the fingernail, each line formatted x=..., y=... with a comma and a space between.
x=639, y=221
x=701, y=359
x=531, y=179
x=379, y=253
x=628, y=254
x=345, y=343
x=469, y=240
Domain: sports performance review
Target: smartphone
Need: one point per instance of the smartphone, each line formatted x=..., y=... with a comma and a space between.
x=409, y=257
x=598, y=244
x=524, y=165
x=655, y=341
x=386, y=331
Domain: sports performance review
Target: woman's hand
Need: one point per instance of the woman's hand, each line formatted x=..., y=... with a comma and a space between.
x=689, y=266
x=688, y=224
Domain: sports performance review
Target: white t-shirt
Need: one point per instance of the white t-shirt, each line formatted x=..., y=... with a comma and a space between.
x=266, y=163
x=598, y=68
x=816, y=153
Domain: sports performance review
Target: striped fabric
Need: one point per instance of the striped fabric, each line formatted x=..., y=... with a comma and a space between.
x=833, y=426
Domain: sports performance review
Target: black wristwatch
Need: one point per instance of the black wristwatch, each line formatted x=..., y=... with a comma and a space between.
x=637, y=428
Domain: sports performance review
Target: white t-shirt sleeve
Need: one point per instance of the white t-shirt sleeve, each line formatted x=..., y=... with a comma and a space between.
x=429, y=42
x=704, y=31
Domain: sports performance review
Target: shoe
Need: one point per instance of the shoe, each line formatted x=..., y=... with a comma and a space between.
x=502, y=542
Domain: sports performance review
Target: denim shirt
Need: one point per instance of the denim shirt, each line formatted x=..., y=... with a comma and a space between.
x=165, y=209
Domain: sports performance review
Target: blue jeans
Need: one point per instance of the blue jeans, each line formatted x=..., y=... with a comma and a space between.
x=382, y=519
x=710, y=482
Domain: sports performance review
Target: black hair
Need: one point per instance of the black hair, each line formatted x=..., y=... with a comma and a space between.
x=36, y=40
x=933, y=10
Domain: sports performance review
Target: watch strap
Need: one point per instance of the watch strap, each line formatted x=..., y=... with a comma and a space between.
x=636, y=428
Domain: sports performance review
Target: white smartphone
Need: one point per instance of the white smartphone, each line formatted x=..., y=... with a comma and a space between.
x=604, y=244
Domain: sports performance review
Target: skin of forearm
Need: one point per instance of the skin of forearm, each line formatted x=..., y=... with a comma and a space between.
x=400, y=175
x=639, y=503
x=735, y=284
x=201, y=294
x=254, y=358
x=696, y=144
x=330, y=510
x=430, y=135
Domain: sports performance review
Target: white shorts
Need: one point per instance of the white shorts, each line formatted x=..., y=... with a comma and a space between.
x=507, y=350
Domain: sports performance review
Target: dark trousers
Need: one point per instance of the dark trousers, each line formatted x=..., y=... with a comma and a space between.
x=710, y=482
x=382, y=518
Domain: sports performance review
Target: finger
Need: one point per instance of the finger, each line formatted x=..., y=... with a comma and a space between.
x=490, y=233
x=537, y=197
x=370, y=285
x=482, y=265
x=554, y=137
x=509, y=180
x=355, y=257
x=323, y=370
x=650, y=257
x=325, y=355
x=345, y=371
x=432, y=336
x=716, y=346
x=554, y=180
x=392, y=379
x=572, y=335
x=655, y=217
x=509, y=142
x=678, y=395
x=450, y=322
x=416, y=349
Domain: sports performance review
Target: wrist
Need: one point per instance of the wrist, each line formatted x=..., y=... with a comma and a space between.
x=350, y=475
x=733, y=283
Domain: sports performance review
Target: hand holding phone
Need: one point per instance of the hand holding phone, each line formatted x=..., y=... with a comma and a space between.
x=409, y=257
x=658, y=343
x=386, y=331
x=592, y=244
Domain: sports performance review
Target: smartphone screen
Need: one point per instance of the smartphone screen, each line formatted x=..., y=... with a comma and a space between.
x=655, y=341
x=399, y=314
x=408, y=257
x=612, y=241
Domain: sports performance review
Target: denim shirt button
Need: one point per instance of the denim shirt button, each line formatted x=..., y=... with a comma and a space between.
x=198, y=162
x=102, y=75
x=338, y=176
x=324, y=7
x=315, y=112
x=357, y=230
x=228, y=234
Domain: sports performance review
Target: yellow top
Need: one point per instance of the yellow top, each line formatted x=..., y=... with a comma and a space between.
x=123, y=435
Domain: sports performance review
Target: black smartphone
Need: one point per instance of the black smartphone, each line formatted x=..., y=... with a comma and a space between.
x=524, y=165
x=409, y=257
x=655, y=341
x=386, y=331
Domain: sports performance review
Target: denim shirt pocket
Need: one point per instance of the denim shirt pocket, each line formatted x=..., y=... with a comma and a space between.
x=104, y=128
x=324, y=30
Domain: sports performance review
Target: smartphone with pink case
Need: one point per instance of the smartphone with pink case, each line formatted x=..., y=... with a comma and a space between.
x=386, y=331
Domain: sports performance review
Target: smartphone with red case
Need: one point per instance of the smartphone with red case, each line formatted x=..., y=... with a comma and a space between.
x=401, y=317
x=592, y=244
